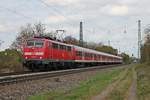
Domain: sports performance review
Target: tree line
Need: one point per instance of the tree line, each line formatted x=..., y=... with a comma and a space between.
x=145, y=48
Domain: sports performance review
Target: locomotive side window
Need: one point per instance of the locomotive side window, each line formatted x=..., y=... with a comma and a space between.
x=68, y=48
x=55, y=46
x=62, y=47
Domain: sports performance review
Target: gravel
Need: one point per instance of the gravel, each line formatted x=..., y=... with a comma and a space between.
x=21, y=91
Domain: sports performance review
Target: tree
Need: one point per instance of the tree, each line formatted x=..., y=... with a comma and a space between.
x=126, y=58
x=39, y=28
x=102, y=48
x=27, y=32
x=92, y=45
x=71, y=40
x=145, y=49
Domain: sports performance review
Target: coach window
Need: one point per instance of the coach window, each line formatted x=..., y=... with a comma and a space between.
x=94, y=55
x=68, y=48
x=81, y=53
x=90, y=55
x=55, y=46
x=77, y=53
x=85, y=54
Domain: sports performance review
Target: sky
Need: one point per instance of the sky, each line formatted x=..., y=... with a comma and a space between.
x=103, y=20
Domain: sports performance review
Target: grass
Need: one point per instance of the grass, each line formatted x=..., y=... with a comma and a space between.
x=86, y=90
x=120, y=92
x=143, y=81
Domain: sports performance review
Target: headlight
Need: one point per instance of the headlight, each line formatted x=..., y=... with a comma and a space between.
x=39, y=53
x=28, y=53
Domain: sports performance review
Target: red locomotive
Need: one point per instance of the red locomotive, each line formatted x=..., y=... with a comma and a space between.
x=43, y=53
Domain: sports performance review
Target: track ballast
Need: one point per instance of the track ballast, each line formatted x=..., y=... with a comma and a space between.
x=9, y=79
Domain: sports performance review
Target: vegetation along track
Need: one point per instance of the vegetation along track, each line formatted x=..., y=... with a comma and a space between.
x=9, y=79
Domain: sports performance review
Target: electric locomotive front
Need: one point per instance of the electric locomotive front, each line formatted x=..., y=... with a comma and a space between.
x=34, y=53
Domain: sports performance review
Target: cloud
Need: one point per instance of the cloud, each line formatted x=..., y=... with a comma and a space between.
x=119, y=10
x=116, y=10
x=64, y=18
x=2, y=28
x=128, y=1
x=61, y=2
x=55, y=19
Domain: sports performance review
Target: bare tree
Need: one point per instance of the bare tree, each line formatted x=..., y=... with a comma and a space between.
x=39, y=28
x=25, y=33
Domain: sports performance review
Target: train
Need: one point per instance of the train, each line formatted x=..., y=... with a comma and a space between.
x=46, y=54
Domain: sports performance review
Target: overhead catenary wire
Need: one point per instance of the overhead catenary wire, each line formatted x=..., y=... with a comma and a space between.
x=16, y=13
x=57, y=12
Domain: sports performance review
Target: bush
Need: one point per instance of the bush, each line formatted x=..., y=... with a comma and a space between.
x=10, y=60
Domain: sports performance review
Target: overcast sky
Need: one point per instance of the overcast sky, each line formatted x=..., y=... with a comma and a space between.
x=103, y=20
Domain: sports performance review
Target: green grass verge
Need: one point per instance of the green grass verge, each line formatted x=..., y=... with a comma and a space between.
x=86, y=90
x=143, y=81
x=120, y=92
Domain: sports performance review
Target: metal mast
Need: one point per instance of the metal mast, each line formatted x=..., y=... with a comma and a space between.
x=81, y=34
x=139, y=39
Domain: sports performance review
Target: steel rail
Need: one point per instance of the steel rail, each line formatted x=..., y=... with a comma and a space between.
x=6, y=80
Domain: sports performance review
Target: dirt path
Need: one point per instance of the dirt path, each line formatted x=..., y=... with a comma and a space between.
x=109, y=88
x=132, y=90
x=130, y=93
x=107, y=91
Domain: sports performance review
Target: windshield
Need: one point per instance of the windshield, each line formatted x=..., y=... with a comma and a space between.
x=35, y=44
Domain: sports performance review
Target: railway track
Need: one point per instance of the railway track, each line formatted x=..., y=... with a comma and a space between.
x=22, y=77
x=14, y=73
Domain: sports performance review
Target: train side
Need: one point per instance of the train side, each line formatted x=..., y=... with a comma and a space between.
x=48, y=54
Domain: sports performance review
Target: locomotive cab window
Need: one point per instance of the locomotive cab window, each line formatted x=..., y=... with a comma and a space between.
x=30, y=43
x=38, y=44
